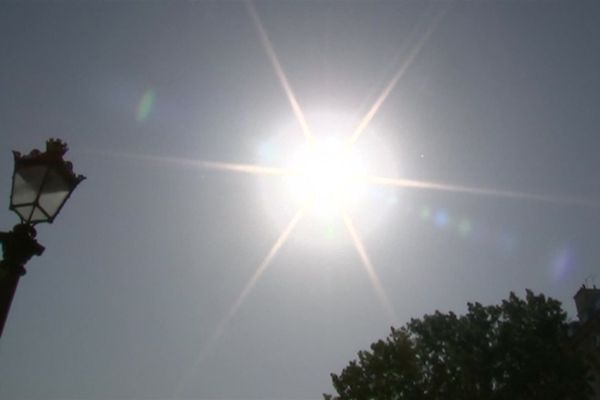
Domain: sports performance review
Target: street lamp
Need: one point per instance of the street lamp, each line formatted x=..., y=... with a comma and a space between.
x=41, y=184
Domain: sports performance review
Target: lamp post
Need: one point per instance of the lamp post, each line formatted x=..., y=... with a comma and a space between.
x=41, y=184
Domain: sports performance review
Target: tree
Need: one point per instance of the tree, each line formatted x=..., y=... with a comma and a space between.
x=516, y=350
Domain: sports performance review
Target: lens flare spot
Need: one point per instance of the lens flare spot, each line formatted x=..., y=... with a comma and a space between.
x=562, y=263
x=441, y=219
x=464, y=227
x=330, y=232
x=425, y=213
x=145, y=105
x=267, y=153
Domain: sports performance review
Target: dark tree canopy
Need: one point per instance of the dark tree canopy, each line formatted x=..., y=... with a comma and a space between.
x=516, y=350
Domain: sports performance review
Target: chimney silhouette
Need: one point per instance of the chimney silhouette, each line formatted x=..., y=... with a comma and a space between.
x=587, y=301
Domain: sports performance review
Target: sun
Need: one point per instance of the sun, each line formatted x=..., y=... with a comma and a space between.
x=326, y=177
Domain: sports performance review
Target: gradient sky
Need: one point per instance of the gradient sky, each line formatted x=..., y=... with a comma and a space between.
x=149, y=254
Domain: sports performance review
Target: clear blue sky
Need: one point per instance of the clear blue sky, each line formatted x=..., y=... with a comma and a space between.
x=149, y=255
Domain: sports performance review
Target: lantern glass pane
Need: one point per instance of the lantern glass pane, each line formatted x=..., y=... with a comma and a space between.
x=24, y=212
x=38, y=216
x=54, y=192
x=26, y=184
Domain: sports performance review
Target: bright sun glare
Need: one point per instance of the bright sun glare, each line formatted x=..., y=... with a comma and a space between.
x=326, y=177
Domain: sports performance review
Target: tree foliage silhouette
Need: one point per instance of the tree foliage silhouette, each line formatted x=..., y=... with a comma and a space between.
x=516, y=350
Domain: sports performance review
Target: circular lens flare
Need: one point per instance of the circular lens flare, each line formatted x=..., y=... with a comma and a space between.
x=326, y=177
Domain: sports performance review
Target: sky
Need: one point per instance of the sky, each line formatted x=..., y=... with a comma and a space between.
x=170, y=276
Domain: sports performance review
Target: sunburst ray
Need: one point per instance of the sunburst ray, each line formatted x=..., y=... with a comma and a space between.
x=260, y=270
x=237, y=304
x=253, y=169
x=370, y=269
x=285, y=84
x=245, y=168
x=364, y=122
x=408, y=183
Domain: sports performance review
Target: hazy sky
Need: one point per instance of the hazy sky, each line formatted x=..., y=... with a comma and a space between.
x=135, y=296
